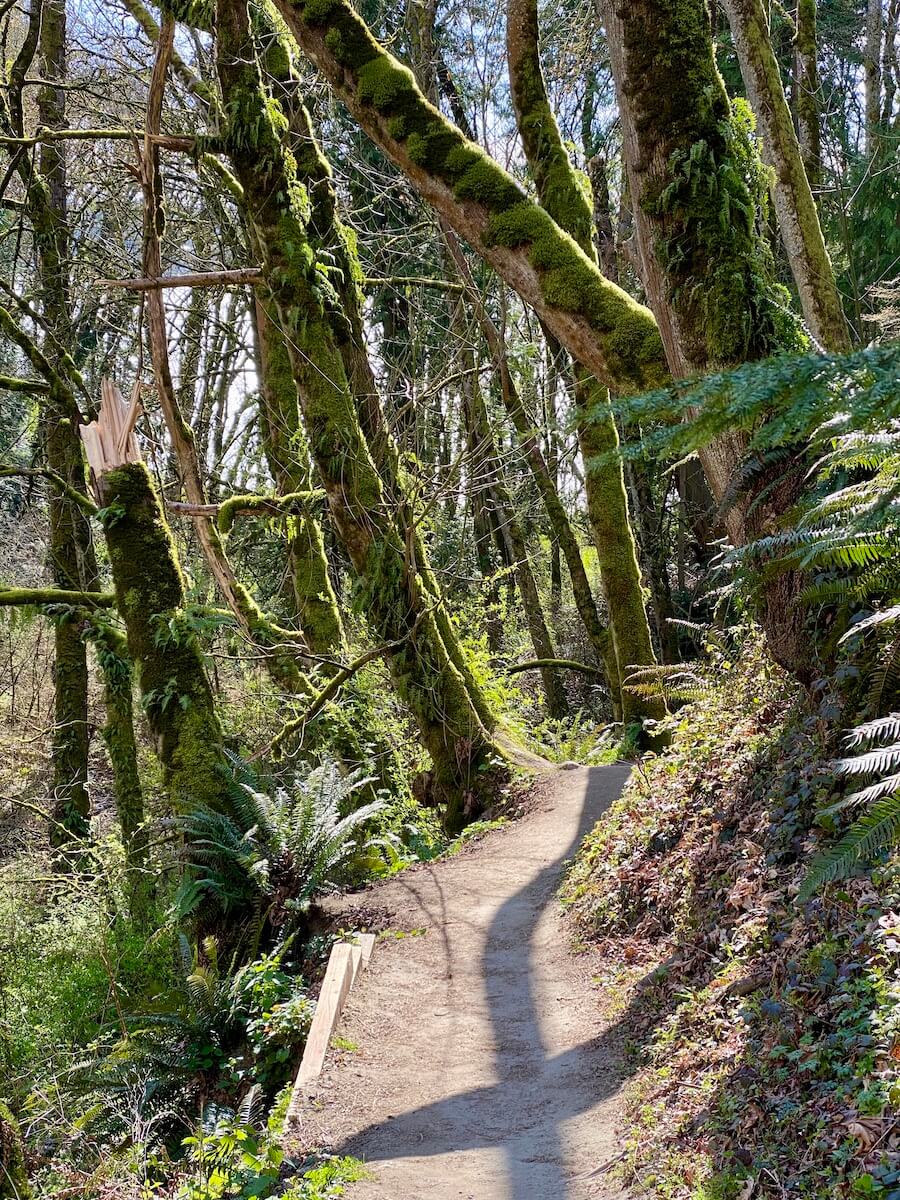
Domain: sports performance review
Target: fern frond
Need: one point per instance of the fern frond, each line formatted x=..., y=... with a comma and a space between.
x=884, y=616
x=873, y=762
x=886, y=676
x=875, y=831
x=871, y=731
x=881, y=787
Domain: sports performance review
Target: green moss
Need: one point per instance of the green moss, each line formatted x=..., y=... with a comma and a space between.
x=477, y=178
x=385, y=84
x=171, y=676
x=310, y=314
x=317, y=12
x=13, y=1176
x=293, y=503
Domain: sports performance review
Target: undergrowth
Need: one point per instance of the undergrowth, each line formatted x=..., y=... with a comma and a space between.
x=765, y=1033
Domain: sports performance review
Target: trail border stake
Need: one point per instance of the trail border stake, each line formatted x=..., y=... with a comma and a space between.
x=344, y=965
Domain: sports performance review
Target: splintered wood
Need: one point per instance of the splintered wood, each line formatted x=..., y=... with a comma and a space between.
x=109, y=441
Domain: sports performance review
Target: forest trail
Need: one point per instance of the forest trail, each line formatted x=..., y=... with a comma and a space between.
x=476, y=1063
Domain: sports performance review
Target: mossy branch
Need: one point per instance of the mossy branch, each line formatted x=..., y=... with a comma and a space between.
x=84, y=502
x=225, y=514
x=602, y=326
x=94, y=135
x=10, y=597
x=56, y=384
x=30, y=387
x=562, y=664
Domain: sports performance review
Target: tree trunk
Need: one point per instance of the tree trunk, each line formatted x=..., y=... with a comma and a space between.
x=389, y=588
x=889, y=66
x=806, y=92
x=275, y=643
x=315, y=173
x=798, y=218
x=872, y=71
x=607, y=503
x=71, y=549
x=285, y=447
x=711, y=285
x=118, y=734
x=177, y=697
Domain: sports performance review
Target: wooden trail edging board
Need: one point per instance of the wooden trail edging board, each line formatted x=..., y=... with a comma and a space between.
x=346, y=961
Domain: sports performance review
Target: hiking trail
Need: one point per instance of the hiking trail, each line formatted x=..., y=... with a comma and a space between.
x=476, y=1064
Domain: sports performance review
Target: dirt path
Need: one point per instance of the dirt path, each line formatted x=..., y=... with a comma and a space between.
x=481, y=1069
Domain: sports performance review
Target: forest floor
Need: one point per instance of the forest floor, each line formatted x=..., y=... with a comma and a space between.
x=473, y=1060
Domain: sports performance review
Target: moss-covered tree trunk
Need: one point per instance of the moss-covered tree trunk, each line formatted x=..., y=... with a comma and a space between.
x=118, y=734
x=71, y=551
x=795, y=208
x=600, y=325
x=563, y=197
x=14, y=1183
x=710, y=281
x=332, y=238
x=389, y=588
x=284, y=443
x=175, y=691
x=344, y=729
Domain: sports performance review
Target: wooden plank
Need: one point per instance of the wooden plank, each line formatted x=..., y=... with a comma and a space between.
x=366, y=943
x=345, y=963
x=335, y=989
x=355, y=961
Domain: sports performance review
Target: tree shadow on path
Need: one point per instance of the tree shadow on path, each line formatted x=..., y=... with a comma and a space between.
x=535, y=1091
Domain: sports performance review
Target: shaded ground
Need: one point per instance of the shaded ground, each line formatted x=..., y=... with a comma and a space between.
x=478, y=1065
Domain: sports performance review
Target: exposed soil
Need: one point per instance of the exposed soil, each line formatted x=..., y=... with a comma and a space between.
x=477, y=1064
